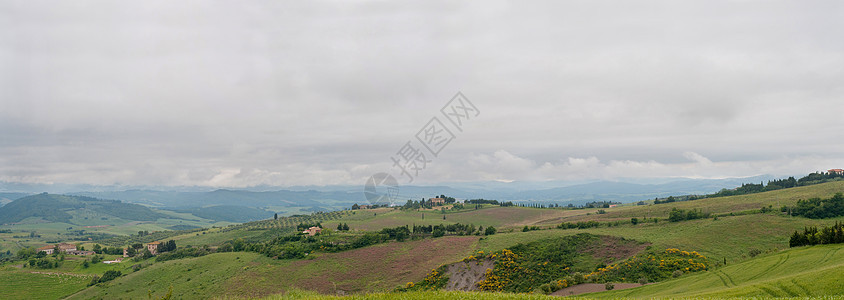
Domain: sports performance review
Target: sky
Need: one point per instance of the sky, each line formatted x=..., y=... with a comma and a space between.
x=283, y=93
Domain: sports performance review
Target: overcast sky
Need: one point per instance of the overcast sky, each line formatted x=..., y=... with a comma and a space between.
x=244, y=93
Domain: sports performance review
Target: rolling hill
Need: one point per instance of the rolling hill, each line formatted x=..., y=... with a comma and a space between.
x=745, y=232
x=58, y=208
x=800, y=272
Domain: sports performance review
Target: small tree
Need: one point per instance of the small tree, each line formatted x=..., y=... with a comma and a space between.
x=438, y=232
x=489, y=230
x=110, y=275
x=609, y=286
x=94, y=280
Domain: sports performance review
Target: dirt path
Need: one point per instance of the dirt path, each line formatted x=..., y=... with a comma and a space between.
x=591, y=288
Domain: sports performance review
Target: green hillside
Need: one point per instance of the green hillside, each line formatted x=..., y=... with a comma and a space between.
x=192, y=278
x=61, y=208
x=799, y=272
x=749, y=232
x=228, y=213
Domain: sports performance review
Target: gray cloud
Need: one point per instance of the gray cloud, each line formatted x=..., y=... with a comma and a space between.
x=285, y=93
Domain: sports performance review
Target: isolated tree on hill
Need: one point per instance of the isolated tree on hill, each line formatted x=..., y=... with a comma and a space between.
x=340, y=227
x=489, y=230
x=345, y=227
x=275, y=216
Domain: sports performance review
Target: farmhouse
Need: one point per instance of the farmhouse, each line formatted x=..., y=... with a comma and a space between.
x=46, y=249
x=65, y=247
x=836, y=171
x=437, y=201
x=365, y=206
x=313, y=230
x=153, y=247
x=80, y=252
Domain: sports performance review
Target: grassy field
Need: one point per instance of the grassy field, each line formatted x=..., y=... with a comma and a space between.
x=20, y=284
x=778, y=271
x=192, y=278
x=381, y=267
x=728, y=237
x=805, y=271
x=426, y=295
x=720, y=205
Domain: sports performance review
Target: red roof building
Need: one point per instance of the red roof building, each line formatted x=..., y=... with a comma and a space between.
x=153, y=247
x=47, y=249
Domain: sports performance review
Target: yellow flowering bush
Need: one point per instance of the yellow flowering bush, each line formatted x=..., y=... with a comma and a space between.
x=539, y=266
x=653, y=266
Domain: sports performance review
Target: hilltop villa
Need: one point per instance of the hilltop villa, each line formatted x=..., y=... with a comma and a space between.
x=436, y=201
x=836, y=171
x=47, y=249
x=153, y=247
x=313, y=230
x=63, y=247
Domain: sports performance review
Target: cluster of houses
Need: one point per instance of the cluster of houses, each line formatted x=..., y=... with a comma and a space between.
x=70, y=249
x=152, y=247
x=312, y=231
x=63, y=248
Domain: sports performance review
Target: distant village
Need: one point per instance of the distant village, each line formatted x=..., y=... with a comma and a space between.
x=71, y=249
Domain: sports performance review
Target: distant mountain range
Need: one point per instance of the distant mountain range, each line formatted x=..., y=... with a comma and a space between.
x=315, y=198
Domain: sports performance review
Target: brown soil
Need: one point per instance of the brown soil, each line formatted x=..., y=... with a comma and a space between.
x=464, y=276
x=612, y=249
x=591, y=288
x=376, y=268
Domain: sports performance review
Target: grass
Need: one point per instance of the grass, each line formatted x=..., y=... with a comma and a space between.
x=719, y=205
x=421, y=295
x=192, y=278
x=499, y=217
x=728, y=237
x=214, y=236
x=799, y=272
x=20, y=284
x=381, y=267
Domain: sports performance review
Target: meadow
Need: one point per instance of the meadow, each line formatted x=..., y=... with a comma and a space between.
x=753, y=243
x=17, y=284
x=798, y=272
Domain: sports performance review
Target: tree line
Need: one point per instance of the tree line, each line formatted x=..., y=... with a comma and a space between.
x=812, y=236
x=817, y=208
x=752, y=188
